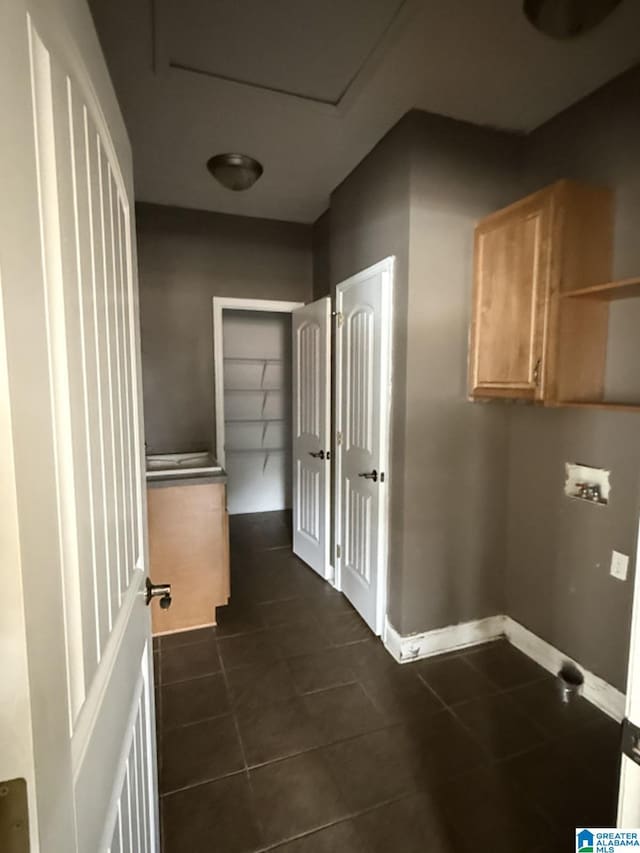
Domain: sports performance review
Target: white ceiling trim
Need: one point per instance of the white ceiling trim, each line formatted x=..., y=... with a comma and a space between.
x=163, y=64
x=478, y=62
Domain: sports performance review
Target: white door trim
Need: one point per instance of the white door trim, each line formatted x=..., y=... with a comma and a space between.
x=629, y=790
x=386, y=267
x=220, y=303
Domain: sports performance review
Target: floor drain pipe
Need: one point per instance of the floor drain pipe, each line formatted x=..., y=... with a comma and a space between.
x=571, y=681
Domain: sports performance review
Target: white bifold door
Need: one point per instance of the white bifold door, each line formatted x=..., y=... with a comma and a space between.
x=74, y=544
x=311, y=433
x=363, y=395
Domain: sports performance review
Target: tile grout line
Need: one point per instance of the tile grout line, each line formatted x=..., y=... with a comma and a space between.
x=494, y=761
x=351, y=815
x=193, y=678
x=280, y=759
x=245, y=771
x=499, y=691
x=233, y=713
x=388, y=725
x=198, y=722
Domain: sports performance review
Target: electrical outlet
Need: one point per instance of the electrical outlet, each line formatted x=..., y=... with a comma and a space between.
x=619, y=565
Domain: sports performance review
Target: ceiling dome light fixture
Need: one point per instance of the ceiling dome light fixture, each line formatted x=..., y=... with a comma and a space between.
x=235, y=171
x=563, y=19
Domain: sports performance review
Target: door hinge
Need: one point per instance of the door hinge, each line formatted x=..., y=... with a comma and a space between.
x=339, y=318
x=536, y=372
x=338, y=438
x=14, y=815
x=631, y=740
x=338, y=552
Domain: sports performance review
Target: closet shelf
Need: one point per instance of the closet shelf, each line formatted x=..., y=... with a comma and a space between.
x=257, y=450
x=254, y=420
x=253, y=360
x=251, y=390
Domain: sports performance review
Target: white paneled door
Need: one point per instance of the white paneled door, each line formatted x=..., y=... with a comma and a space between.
x=363, y=395
x=71, y=439
x=311, y=433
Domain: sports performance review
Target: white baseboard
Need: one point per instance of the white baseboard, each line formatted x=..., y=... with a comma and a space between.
x=595, y=689
x=415, y=646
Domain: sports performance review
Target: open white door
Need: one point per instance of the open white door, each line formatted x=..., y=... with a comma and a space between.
x=363, y=396
x=70, y=389
x=629, y=792
x=311, y=433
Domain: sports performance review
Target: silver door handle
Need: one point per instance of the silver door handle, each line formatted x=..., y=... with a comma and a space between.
x=158, y=590
x=372, y=475
x=319, y=455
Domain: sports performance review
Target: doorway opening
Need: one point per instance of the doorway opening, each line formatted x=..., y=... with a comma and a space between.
x=257, y=410
x=252, y=365
x=272, y=395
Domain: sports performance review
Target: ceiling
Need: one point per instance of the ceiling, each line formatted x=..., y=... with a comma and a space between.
x=309, y=87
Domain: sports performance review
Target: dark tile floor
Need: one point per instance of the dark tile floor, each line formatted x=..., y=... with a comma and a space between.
x=290, y=728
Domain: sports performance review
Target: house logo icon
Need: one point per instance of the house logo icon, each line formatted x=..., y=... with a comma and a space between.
x=584, y=841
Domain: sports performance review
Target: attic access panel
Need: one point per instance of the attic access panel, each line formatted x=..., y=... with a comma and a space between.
x=298, y=47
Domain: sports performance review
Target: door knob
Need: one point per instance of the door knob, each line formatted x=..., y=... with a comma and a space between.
x=158, y=590
x=318, y=455
x=370, y=475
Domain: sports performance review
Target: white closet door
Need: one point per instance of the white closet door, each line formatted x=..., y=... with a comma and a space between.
x=363, y=372
x=311, y=433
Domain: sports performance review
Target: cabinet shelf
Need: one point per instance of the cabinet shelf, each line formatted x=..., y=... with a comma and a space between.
x=625, y=288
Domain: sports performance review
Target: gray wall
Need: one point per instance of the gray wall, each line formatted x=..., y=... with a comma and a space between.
x=455, y=462
x=558, y=551
x=416, y=196
x=369, y=221
x=321, y=236
x=187, y=257
x=480, y=524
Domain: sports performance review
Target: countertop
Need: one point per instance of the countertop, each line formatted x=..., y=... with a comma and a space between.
x=163, y=482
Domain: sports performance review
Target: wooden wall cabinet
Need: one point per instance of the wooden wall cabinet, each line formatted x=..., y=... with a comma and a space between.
x=189, y=548
x=526, y=342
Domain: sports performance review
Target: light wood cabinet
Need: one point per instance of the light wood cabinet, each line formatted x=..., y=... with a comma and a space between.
x=525, y=342
x=189, y=548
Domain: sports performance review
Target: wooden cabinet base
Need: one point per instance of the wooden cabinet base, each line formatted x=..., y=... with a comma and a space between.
x=188, y=544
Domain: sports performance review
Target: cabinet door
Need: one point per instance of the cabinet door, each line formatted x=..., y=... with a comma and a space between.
x=511, y=300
